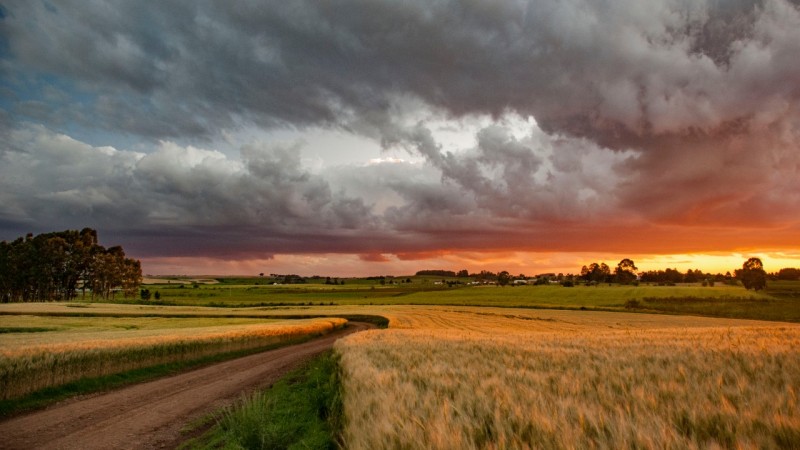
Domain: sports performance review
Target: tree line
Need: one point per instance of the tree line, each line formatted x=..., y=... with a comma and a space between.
x=752, y=275
x=55, y=266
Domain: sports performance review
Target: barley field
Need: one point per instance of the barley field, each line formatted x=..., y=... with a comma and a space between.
x=34, y=360
x=482, y=378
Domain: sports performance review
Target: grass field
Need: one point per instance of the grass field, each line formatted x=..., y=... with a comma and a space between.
x=781, y=301
x=426, y=292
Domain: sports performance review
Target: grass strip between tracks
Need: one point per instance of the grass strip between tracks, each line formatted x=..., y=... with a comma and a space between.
x=302, y=410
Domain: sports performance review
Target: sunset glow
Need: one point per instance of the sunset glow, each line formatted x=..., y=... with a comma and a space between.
x=389, y=137
x=529, y=264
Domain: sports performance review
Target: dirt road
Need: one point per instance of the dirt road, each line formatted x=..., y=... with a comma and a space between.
x=151, y=415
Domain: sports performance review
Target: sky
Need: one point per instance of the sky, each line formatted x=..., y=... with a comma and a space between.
x=367, y=137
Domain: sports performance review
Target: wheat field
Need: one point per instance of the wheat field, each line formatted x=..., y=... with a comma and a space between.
x=453, y=377
x=32, y=361
x=463, y=379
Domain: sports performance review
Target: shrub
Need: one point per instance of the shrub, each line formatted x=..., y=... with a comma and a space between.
x=633, y=304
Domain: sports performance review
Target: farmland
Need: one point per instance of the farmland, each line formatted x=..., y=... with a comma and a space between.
x=585, y=386
x=74, y=348
x=493, y=367
x=779, y=302
x=508, y=378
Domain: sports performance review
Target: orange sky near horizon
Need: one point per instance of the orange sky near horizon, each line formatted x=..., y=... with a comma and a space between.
x=527, y=263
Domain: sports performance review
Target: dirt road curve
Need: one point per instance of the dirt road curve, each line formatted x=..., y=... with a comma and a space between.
x=151, y=415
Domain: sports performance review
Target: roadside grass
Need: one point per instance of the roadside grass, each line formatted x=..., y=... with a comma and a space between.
x=301, y=411
x=31, y=364
x=89, y=385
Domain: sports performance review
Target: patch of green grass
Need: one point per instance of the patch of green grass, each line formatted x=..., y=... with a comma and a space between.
x=301, y=411
x=4, y=330
x=49, y=396
x=378, y=321
x=601, y=296
x=776, y=309
x=244, y=292
x=778, y=303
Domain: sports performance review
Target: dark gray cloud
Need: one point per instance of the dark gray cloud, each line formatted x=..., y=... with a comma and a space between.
x=667, y=113
x=620, y=71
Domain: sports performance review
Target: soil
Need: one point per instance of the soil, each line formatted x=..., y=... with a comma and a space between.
x=154, y=414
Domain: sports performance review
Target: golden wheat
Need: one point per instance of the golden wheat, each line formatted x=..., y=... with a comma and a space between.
x=541, y=379
x=26, y=367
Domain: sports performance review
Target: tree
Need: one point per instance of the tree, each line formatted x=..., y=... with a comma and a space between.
x=597, y=273
x=752, y=274
x=53, y=266
x=5, y=272
x=503, y=278
x=131, y=271
x=625, y=271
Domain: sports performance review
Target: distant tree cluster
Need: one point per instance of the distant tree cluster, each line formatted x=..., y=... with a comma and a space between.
x=624, y=273
x=287, y=278
x=437, y=273
x=751, y=276
x=595, y=272
x=672, y=276
x=329, y=280
x=787, y=274
x=54, y=266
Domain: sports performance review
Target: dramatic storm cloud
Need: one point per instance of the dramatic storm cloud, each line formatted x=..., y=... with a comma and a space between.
x=399, y=130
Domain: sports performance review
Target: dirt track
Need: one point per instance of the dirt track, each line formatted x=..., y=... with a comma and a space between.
x=152, y=414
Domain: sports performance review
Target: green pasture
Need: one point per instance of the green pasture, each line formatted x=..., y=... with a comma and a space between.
x=236, y=292
x=781, y=300
x=600, y=296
